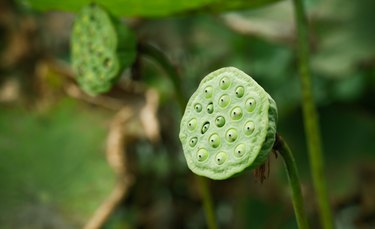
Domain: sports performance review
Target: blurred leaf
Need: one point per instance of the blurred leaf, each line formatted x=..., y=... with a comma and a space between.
x=225, y=5
x=120, y=7
x=52, y=167
x=145, y=8
x=343, y=35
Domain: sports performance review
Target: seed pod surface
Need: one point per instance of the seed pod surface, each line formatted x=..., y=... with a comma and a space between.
x=101, y=48
x=237, y=129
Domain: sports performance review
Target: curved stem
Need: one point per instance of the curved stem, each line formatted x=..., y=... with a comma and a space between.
x=173, y=75
x=291, y=167
x=171, y=71
x=310, y=117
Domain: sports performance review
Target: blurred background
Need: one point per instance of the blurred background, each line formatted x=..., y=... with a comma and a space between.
x=60, y=148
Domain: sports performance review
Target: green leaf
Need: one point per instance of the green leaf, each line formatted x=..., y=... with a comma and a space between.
x=156, y=8
x=225, y=5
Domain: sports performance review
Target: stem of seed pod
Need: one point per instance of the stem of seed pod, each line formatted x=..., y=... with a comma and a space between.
x=173, y=75
x=310, y=117
x=281, y=147
x=171, y=70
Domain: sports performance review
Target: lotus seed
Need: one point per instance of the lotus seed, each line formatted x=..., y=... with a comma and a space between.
x=192, y=124
x=220, y=121
x=198, y=107
x=210, y=108
x=221, y=158
x=208, y=92
x=249, y=128
x=240, y=150
x=239, y=92
x=236, y=113
x=205, y=127
x=224, y=83
x=231, y=135
x=202, y=155
x=214, y=140
x=250, y=104
x=193, y=141
x=224, y=101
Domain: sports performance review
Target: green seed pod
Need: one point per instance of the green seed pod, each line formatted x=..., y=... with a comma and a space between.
x=237, y=130
x=101, y=48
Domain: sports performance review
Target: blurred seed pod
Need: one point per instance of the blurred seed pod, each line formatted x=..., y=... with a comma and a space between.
x=101, y=48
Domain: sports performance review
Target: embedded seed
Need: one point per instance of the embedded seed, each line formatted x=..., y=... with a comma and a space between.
x=220, y=121
x=239, y=91
x=210, y=108
x=193, y=141
x=236, y=113
x=249, y=128
x=224, y=100
x=198, y=107
x=202, y=155
x=221, y=158
x=250, y=104
x=240, y=150
x=208, y=92
x=224, y=83
x=231, y=135
x=192, y=124
x=214, y=140
x=205, y=127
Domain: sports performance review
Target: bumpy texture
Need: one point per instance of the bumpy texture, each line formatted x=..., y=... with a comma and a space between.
x=101, y=49
x=229, y=125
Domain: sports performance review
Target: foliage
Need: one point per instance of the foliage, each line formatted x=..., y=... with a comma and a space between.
x=143, y=8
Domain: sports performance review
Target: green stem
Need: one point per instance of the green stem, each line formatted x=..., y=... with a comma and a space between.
x=310, y=117
x=207, y=202
x=171, y=71
x=173, y=75
x=291, y=167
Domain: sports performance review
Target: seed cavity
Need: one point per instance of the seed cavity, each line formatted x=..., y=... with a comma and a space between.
x=231, y=135
x=208, y=92
x=239, y=151
x=192, y=124
x=193, y=141
x=202, y=155
x=239, y=91
x=224, y=101
x=249, y=128
x=220, y=121
x=224, y=83
x=221, y=158
x=250, y=104
x=198, y=107
x=214, y=140
x=210, y=108
x=205, y=127
x=236, y=113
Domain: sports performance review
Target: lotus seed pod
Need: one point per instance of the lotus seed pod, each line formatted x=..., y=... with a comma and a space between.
x=101, y=48
x=237, y=129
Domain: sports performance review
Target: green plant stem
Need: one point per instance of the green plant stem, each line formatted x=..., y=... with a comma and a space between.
x=310, y=117
x=291, y=167
x=173, y=75
x=207, y=202
x=171, y=71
